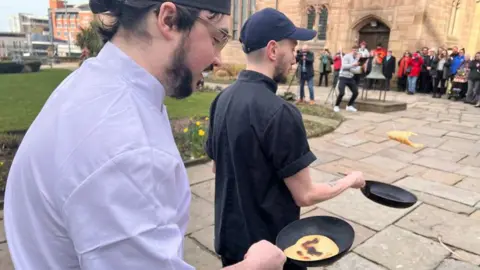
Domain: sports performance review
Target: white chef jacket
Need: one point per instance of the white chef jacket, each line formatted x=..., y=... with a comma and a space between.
x=98, y=182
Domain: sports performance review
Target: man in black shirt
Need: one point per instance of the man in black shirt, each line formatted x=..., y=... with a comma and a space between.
x=259, y=146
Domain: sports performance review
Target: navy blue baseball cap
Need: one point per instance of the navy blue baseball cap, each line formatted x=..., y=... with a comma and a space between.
x=270, y=24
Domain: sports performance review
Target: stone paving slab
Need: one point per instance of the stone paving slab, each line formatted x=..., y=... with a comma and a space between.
x=444, y=203
x=469, y=171
x=370, y=137
x=201, y=214
x=441, y=154
x=440, y=190
x=353, y=205
x=468, y=148
x=398, y=155
x=397, y=248
x=475, y=215
x=5, y=260
x=438, y=164
x=370, y=172
x=323, y=157
x=353, y=261
x=464, y=135
x=361, y=233
x=335, y=149
x=200, y=173
x=456, y=139
x=2, y=232
x=206, y=190
x=471, y=161
x=205, y=237
x=442, y=177
x=199, y=257
x=413, y=170
x=385, y=162
x=349, y=140
x=467, y=256
x=472, y=184
x=450, y=264
x=411, y=121
x=429, y=131
x=372, y=147
x=456, y=230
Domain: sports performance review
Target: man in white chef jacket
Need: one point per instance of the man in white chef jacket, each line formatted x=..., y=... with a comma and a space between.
x=98, y=182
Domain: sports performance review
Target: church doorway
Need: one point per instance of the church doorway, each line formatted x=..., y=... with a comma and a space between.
x=374, y=32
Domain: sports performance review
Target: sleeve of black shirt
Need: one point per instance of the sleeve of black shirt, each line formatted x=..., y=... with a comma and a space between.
x=285, y=142
x=208, y=142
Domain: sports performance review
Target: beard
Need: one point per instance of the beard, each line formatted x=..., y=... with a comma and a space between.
x=179, y=78
x=280, y=73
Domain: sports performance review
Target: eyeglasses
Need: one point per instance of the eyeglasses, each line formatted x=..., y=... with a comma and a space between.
x=220, y=36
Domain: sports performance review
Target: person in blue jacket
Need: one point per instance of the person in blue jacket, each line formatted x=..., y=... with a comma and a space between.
x=457, y=58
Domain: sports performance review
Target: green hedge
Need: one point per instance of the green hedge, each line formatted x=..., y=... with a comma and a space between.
x=10, y=67
x=34, y=65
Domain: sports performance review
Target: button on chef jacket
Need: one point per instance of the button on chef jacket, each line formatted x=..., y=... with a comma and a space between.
x=98, y=182
x=256, y=140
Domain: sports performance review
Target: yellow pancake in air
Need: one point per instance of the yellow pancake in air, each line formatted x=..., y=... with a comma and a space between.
x=312, y=248
x=403, y=137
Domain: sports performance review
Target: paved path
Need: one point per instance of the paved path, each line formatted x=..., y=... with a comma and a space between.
x=445, y=175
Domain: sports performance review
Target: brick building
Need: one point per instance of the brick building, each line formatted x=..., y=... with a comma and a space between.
x=398, y=24
x=68, y=19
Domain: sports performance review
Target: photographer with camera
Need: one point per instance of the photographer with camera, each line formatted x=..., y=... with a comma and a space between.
x=305, y=60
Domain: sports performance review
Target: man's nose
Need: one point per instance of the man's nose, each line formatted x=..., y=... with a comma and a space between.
x=217, y=60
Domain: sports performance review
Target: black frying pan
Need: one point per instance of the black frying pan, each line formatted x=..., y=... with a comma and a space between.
x=334, y=228
x=388, y=195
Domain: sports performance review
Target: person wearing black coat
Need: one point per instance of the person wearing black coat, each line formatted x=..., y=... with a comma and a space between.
x=388, y=68
x=473, y=93
x=305, y=59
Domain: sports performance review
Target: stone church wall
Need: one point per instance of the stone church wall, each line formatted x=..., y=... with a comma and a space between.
x=413, y=23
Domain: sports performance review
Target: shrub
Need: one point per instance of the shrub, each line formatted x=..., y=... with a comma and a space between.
x=10, y=67
x=33, y=65
x=231, y=69
x=222, y=73
x=8, y=147
x=288, y=96
x=191, y=140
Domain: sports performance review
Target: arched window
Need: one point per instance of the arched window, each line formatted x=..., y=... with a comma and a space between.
x=322, y=24
x=310, y=17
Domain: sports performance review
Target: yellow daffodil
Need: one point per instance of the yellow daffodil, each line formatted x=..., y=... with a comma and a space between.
x=185, y=130
x=198, y=123
x=206, y=118
x=201, y=133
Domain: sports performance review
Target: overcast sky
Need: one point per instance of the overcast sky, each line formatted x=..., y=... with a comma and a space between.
x=37, y=7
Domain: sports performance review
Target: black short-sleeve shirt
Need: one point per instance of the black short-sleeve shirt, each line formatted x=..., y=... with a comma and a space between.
x=256, y=140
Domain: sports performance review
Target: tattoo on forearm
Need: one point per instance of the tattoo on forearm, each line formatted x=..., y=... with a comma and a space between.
x=332, y=183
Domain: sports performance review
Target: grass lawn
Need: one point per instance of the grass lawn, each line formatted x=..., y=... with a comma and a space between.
x=23, y=95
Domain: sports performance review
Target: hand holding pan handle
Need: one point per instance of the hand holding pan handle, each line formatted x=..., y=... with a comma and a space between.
x=357, y=178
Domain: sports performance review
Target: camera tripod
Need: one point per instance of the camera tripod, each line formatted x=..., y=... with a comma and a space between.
x=333, y=92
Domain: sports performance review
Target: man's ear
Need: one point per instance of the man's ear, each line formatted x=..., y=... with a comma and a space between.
x=166, y=20
x=272, y=50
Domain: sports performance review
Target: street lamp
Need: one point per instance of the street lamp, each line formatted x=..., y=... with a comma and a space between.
x=65, y=2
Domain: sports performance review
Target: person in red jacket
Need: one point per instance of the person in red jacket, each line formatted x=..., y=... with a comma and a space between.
x=414, y=66
x=337, y=64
